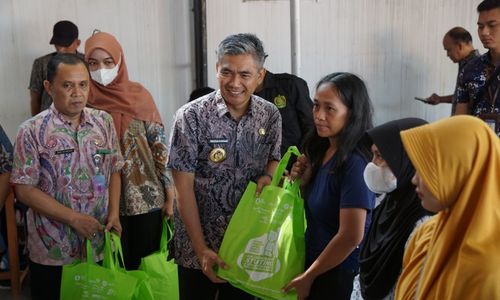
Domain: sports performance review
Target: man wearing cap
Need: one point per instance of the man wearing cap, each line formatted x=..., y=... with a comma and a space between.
x=65, y=40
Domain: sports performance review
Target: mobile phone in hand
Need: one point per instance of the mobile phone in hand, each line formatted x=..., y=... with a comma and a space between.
x=421, y=99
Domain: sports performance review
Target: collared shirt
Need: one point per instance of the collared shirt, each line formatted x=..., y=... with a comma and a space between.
x=470, y=87
x=145, y=175
x=290, y=95
x=5, y=153
x=461, y=66
x=39, y=74
x=203, y=127
x=61, y=161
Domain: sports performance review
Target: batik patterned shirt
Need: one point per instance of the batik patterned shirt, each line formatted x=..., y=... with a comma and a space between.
x=471, y=89
x=461, y=66
x=203, y=128
x=61, y=162
x=145, y=175
x=5, y=153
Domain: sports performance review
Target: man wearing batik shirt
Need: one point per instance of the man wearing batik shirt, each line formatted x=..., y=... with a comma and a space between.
x=66, y=168
x=457, y=43
x=219, y=143
x=478, y=83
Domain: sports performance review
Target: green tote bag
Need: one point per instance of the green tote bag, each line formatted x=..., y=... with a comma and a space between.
x=113, y=260
x=88, y=280
x=264, y=242
x=162, y=272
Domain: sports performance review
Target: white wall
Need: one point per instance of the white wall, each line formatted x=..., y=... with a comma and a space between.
x=155, y=36
x=394, y=45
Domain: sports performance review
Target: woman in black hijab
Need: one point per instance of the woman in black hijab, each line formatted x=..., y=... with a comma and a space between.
x=395, y=218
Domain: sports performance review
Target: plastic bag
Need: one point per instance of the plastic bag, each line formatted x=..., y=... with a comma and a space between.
x=264, y=242
x=163, y=274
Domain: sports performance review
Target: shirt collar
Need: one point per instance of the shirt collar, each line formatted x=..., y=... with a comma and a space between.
x=474, y=53
x=60, y=120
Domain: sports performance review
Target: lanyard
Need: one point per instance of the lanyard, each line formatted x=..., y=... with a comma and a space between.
x=493, y=100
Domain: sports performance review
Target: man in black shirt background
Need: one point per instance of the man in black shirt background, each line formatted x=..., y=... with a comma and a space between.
x=291, y=96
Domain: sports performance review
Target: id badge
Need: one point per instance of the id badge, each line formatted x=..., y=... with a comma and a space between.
x=99, y=184
x=491, y=124
x=492, y=120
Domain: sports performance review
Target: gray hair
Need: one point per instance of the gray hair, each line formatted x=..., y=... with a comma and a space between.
x=242, y=43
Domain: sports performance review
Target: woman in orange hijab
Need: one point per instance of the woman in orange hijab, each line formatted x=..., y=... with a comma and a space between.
x=456, y=254
x=146, y=182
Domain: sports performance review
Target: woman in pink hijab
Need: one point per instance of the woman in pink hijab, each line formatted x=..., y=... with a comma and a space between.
x=146, y=182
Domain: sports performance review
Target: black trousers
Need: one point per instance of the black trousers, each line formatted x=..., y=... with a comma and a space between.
x=141, y=235
x=193, y=284
x=335, y=284
x=45, y=281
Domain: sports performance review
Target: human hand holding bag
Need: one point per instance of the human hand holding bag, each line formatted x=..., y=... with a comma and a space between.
x=264, y=242
x=88, y=280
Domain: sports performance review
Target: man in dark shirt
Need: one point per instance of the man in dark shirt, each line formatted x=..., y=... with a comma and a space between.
x=65, y=40
x=291, y=96
x=479, y=82
x=457, y=43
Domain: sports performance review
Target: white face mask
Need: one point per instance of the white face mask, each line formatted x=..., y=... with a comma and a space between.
x=378, y=179
x=105, y=76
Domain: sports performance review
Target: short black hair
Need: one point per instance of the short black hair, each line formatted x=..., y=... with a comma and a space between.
x=488, y=5
x=459, y=34
x=62, y=58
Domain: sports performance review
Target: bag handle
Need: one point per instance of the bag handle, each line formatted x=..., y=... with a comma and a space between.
x=112, y=258
x=298, y=224
x=166, y=234
x=118, y=254
x=107, y=261
x=280, y=170
x=292, y=186
x=90, y=256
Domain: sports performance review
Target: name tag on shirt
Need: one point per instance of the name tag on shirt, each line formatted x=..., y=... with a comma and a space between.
x=218, y=141
x=65, y=151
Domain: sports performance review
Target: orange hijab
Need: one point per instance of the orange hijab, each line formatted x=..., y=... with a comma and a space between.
x=123, y=99
x=456, y=255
